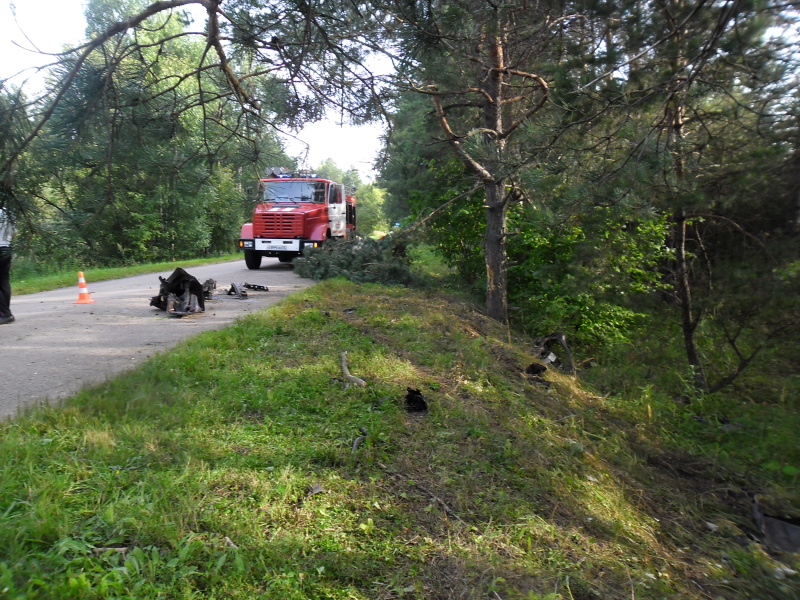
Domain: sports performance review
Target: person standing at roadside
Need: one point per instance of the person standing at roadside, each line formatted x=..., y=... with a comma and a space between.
x=7, y=232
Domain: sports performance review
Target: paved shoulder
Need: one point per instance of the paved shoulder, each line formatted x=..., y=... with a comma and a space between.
x=56, y=347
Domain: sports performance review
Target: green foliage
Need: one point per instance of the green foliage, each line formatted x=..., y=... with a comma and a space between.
x=357, y=258
x=579, y=275
x=370, y=210
x=458, y=234
x=330, y=170
x=130, y=167
x=411, y=173
x=610, y=159
x=745, y=428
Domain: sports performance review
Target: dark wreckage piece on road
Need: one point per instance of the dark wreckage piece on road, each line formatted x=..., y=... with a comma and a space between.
x=238, y=289
x=182, y=294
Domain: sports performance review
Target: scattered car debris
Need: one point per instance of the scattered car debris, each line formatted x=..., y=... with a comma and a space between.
x=533, y=373
x=542, y=346
x=779, y=534
x=180, y=294
x=415, y=401
x=535, y=369
x=349, y=311
x=209, y=285
x=237, y=289
x=256, y=286
x=712, y=527
x=315, y=489
x=550, y=358
x=311, y=490
x=781, y=572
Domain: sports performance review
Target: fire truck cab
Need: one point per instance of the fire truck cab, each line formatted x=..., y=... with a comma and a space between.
x=295, y=211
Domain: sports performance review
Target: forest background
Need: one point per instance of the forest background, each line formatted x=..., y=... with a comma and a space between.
x=589, y=167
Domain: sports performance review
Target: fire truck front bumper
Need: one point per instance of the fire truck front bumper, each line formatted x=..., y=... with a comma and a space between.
x=273, y=246
x=278, y=245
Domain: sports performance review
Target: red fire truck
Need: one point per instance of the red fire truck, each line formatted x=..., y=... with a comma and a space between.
x=295, y=211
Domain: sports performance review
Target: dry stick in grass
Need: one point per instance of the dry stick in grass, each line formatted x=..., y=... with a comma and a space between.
x=424, y=490
x=346, y=371
x=229, y=543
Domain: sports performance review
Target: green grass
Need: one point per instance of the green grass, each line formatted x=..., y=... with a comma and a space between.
x=27, y=281
x=750, y=427
x=226, y=469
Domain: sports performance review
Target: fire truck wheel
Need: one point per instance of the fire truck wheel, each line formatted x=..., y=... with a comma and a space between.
x=252, y=259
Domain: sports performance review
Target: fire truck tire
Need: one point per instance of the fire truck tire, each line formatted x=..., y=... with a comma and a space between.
x=252, y=259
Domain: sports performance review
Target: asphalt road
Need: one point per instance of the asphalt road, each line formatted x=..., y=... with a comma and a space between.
x=56, y=347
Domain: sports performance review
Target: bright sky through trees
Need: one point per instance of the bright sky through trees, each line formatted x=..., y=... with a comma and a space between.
x=46, y=25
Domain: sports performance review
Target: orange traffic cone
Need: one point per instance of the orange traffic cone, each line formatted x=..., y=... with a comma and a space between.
x=83, y=291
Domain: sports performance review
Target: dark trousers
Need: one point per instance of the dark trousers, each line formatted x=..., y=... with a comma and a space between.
x=5, y=282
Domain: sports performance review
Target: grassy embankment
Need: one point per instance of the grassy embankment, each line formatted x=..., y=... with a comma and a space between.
x=25, y=278
x=227, y=469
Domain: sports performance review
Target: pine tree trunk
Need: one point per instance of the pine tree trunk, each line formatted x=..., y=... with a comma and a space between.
x=495, y=252
x=675, y=120
x=684, y=292
x=794, y=179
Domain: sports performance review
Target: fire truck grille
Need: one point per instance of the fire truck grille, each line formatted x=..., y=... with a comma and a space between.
x=278, y=225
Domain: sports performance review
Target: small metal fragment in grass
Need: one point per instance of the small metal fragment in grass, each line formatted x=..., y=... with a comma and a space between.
x=779, y=533
x=315, y=489
x=783, y=572
x=535, y=369
x=360, y=439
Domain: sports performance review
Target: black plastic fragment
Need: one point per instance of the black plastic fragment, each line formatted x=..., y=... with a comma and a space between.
x=415, y=401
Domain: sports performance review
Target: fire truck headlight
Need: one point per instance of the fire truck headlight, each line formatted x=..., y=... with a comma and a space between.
x=245, y=243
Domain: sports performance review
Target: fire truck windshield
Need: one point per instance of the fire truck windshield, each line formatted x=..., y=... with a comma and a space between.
x=292, y=191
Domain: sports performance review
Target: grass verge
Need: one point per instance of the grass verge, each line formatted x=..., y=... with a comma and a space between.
x=30, y=282
x=228, y=469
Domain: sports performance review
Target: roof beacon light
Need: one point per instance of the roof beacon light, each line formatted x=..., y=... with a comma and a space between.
x=278, y=172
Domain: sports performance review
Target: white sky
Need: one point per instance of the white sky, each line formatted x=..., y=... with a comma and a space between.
x=50, y=24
